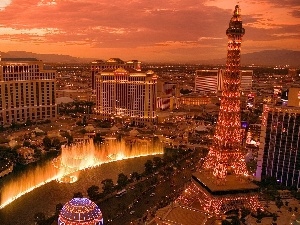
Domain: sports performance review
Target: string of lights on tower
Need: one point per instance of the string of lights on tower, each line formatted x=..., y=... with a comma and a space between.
x=225, y=155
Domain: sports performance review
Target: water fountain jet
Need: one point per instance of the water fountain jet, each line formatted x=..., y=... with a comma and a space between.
x=73, y=159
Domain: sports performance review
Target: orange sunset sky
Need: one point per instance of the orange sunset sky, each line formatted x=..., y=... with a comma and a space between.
x=160, y=30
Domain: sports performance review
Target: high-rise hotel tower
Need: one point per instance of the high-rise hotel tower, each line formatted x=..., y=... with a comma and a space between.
x=211, y=81
x=112, y=64
x=27, y=91
x=127, y=94
x=279, y=150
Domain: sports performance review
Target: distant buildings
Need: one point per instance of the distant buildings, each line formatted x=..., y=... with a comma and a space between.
x=246, y=80
x=294, y=97
x=168, y=94
x=208, y=81
x=27, y=91
x=195, y=100
x=279, y=150
x=112, y=64
x=77, y=95
x=126, y=94
x=211, y=81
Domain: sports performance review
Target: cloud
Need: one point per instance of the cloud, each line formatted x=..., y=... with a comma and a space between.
x=169, y=26
x=296, y=13
x=33, y=31
x=47, y=2
x=284, y=3
x=4, y=4
x=209, y=38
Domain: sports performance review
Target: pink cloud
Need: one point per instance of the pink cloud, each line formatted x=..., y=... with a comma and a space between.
x=139, y=24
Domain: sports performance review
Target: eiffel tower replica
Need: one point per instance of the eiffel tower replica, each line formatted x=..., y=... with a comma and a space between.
x=223, y=182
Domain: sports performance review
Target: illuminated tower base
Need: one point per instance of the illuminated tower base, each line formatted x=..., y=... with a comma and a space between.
x=204, y=194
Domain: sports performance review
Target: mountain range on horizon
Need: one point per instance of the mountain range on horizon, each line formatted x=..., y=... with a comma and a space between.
x=262, y=58
x=268, y=58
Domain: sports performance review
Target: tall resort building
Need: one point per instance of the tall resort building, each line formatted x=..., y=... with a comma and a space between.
x=279, y=150
x=127, y=94
x=27, y=91
x=112, y=63
x=211, y=81
x=208, y=81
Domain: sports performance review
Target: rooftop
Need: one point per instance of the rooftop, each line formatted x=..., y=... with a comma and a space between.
x=176, y=214
x=233, y=184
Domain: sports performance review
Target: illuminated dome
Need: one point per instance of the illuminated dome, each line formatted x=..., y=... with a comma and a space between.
x=80, y=211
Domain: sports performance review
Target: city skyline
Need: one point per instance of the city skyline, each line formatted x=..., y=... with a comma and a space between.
x=161, y=31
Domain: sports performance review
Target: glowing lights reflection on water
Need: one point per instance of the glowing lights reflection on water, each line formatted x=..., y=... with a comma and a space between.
x=74, y=158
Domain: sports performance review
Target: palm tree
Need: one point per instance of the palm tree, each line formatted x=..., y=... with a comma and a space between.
x=135, y=176
x=93, y=192
x=148, y=167
x=157, y=162
x=108, y=186
x=78, y=195
x=39, y=218
x=122, y=180
x=58, y=207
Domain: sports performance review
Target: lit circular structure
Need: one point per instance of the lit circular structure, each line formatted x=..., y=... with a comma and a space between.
x=80, y=211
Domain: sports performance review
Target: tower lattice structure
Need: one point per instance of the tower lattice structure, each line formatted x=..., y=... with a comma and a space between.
x=225, y=155
x=224, y=191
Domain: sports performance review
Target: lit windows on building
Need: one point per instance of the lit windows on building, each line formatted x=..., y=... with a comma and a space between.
x=112, y=64
x=211, y=81
x=127, y=94
x=279, y=154
x=27, y=91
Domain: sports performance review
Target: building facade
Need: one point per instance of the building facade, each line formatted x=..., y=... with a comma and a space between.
x=27, y=91
x=127, y=94
x=246, y=80
x=195, y=100
x=168, y=94
x=112, y=64
x=211, y=81
x=208, y=81
x=77, y=95
x=279, y=150
x=294, y=97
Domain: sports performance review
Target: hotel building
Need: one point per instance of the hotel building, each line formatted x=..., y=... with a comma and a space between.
x=27, y=91
x=294, y=97
x=246, y=80
x=195, y=100
x=127, y=94
x=208, y=81
x=113, y=63
x=279, y=150
x=168, y=94
x=211, y=81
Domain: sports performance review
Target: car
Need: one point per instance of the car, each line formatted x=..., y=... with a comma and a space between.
x=131, y=212
x=152, y=194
